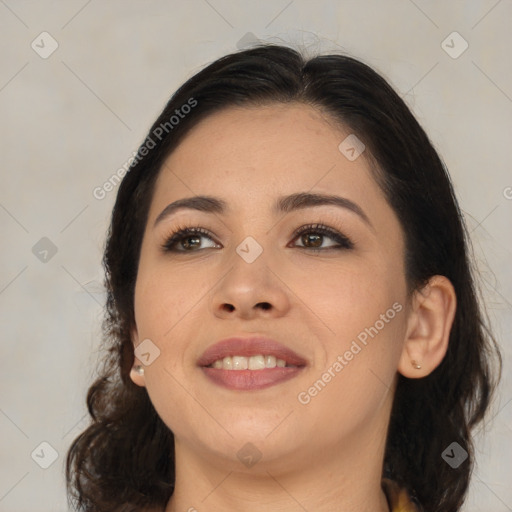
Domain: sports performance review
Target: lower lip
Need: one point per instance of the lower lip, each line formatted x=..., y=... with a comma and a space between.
x=245, y=380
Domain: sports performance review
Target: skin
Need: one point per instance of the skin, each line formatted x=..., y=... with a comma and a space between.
x=327, y=454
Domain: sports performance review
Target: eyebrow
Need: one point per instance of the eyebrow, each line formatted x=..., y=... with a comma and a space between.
x=283, y=204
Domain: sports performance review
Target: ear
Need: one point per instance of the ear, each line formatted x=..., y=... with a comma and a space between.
x=134, y=375
x=428, y=329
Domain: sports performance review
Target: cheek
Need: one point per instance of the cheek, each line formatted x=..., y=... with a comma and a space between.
x=165, y=313
x=349, y=294
x=356, y=375
x=361, y=306
x=162, y=299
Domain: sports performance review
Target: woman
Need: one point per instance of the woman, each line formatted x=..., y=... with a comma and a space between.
x=291, y=313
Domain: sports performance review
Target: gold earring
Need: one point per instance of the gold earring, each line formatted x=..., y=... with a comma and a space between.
x=416, y=365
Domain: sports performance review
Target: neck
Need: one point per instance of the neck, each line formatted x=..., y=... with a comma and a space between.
x=298, y=481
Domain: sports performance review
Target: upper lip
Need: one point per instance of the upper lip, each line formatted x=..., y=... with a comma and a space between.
x=249, y=346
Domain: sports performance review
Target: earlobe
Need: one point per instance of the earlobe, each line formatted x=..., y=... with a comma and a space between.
x=137, y=374
x=429, y=327
x=137, y=370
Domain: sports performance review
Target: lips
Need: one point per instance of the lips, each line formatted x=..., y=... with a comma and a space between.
x=247, y=379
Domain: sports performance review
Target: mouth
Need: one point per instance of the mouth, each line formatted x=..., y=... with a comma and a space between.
x=250, y=363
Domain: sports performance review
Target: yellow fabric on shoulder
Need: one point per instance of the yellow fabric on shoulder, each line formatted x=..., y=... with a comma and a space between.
x=398, y=499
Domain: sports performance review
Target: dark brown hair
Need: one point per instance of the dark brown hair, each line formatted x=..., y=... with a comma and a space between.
x=124, y=461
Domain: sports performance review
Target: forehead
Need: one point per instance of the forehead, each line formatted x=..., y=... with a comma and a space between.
x=258, y=150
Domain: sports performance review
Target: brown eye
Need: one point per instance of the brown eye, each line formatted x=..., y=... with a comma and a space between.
x=312, y=237
x=189, y=239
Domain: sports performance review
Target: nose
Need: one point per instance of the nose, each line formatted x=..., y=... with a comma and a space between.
x=249, y=291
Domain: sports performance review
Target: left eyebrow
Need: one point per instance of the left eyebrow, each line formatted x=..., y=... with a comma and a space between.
x=284, y=204
x=303, y=200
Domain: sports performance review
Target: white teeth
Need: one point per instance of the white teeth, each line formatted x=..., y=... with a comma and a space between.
x=240, y=363
x=270, y=361
x=258, y=362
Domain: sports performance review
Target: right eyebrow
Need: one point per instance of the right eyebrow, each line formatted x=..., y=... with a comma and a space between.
x=206, y=204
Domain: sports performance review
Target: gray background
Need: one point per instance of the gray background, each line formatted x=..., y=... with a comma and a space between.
x=72, y=119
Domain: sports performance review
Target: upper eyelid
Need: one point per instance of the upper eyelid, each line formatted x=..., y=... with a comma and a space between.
x=207, y=232
x=337, y=224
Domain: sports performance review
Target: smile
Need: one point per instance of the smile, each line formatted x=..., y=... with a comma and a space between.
x=253, y=363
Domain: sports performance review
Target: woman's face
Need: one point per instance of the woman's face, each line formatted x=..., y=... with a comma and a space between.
x=340, y=308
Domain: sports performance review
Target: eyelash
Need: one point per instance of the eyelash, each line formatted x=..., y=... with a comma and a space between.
x=183, y=232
